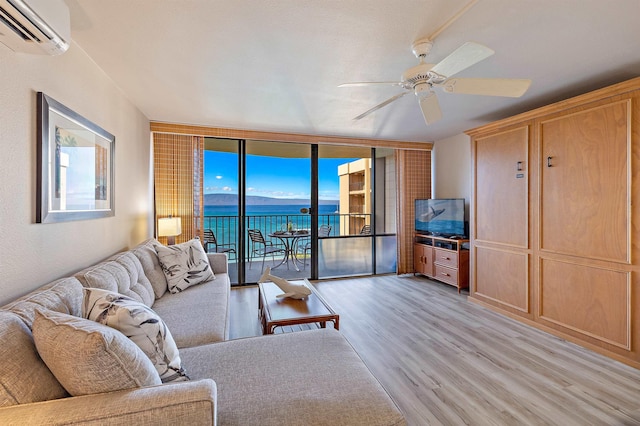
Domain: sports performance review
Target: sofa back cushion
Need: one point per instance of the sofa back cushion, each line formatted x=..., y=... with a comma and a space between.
x=63, y=295
x=148, y=257
x=121, y=273
x=24, y=377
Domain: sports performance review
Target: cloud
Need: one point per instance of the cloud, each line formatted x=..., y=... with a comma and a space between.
x=218, y=177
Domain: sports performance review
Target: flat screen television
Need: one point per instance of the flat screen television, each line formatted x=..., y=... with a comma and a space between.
x=441, y=217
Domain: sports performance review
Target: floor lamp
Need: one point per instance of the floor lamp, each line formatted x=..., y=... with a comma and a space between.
x=169, y=227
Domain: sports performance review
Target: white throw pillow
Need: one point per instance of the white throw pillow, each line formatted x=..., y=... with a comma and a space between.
x=140, y=324
x=89, y=358
x=184, y=265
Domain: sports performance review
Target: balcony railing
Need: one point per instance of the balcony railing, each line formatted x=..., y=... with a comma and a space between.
x=226, y=227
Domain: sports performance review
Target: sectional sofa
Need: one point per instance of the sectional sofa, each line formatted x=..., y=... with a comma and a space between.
x=60, y=366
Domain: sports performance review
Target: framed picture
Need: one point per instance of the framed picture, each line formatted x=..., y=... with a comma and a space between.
x=75, y=165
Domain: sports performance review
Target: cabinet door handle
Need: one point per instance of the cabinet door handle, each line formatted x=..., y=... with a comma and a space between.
x=549, y=162
x=519, y=166
x=445, y=274
x=447, y=258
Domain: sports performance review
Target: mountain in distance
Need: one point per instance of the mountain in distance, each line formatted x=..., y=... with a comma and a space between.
x=254, y=200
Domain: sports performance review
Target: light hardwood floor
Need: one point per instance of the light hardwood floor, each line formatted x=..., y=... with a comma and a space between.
x=446, y=361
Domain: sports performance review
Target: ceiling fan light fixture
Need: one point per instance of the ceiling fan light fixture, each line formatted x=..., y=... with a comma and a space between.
x=422, y=90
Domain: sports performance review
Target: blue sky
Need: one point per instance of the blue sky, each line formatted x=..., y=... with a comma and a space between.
x=271, y=176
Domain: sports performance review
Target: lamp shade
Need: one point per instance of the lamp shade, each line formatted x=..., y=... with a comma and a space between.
x=169, y=226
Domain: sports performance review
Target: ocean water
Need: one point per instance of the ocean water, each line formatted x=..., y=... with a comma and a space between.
x=259, y=210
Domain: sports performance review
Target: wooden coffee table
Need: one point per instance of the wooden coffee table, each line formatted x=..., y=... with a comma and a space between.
x=278, y=312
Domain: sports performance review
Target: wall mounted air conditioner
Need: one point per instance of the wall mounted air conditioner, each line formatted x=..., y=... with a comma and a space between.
x=35, y=26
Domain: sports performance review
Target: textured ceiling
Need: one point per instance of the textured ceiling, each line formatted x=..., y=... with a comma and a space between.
x=275, y=65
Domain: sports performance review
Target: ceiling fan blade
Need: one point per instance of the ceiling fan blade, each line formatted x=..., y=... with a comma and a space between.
x=430, y=108
x=463, y=57
x=371, y=83
x=513, y=88
x=383, y=104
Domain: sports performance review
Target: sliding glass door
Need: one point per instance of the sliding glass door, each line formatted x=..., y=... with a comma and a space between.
x=222, y=202
x=384, y=216
x=362, y=238
x=305, y=211
x=344, y=187
x=277, y=206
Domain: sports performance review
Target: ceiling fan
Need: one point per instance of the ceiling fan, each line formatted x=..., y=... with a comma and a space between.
x=424, y=77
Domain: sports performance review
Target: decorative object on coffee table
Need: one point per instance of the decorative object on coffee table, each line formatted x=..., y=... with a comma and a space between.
x=293, y=291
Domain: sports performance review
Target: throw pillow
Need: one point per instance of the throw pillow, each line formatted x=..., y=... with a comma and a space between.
x=140, y=324
x=184, y=265
x=87, y=357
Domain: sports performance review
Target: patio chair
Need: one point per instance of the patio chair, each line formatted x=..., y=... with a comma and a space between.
x=261, y=247
x=323, y=232
x=210, y=239
x=366, y=230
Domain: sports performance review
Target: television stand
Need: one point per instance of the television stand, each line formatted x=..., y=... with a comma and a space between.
x=442, y=259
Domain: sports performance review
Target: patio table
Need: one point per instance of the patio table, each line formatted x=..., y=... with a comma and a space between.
x=290, y=242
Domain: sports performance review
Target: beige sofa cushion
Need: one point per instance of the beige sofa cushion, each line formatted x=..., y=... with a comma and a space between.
x=87, y=357
x=64, y=295
x=146, y=254
x=207, y=305
x=121, y=273
x=24, y=377
x=307, y=377
x=140, y=324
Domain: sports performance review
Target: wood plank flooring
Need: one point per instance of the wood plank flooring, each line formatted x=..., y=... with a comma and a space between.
x=446, y=361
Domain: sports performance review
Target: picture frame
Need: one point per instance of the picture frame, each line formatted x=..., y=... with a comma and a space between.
x=76, y=165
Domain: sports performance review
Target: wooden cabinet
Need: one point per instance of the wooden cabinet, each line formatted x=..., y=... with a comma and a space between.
x=442, y=259
x=555, y=222
x=501, y=212
x=423, y=258
x=586, y=172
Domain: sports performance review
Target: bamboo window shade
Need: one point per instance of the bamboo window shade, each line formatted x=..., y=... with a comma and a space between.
x=178, y=181
x=413, y=169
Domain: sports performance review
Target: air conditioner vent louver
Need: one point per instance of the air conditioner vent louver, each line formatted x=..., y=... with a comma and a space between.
x=36, y=26
x=17, y=27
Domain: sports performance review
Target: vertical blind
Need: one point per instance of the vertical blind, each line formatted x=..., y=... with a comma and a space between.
x=178, y=181
x=413, y=170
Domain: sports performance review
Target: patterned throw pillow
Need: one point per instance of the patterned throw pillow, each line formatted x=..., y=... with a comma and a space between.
x=89, y=358
x=184, y=265
x=140, y=324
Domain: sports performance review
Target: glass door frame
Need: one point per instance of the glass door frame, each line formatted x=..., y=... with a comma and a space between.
x=241, y=230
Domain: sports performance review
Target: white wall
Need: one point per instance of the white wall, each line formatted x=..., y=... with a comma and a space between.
x=451, y=169
x=35, y=254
